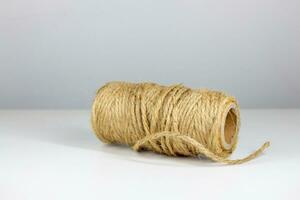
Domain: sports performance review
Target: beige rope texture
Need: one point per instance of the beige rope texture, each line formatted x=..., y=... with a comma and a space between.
x=172, y=120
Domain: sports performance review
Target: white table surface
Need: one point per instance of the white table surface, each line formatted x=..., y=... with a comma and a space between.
x=55, y=155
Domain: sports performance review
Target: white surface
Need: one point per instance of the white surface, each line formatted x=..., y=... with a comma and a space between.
x=55, y=155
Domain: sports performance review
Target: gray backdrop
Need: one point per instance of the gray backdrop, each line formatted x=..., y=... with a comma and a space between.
x=56, y=53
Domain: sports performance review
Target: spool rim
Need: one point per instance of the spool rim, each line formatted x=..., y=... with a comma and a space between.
x=229, y=126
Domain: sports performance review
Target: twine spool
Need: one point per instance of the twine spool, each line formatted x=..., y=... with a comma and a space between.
x=172, y=120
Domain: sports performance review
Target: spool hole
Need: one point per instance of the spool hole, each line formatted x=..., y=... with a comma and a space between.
x=230, y=126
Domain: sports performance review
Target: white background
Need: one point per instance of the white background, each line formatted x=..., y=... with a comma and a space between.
x=56, y=53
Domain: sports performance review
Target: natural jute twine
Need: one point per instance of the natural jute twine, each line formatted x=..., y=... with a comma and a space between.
x=173, y=120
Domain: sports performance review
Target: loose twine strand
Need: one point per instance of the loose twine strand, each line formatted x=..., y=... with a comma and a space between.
x=172, y=120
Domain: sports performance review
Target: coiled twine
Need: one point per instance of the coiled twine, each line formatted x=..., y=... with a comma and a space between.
x=172, y=120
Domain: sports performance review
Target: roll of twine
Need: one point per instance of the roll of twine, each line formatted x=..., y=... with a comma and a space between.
x=172, y=120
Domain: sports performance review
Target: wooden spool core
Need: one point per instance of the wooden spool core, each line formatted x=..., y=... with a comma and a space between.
x=229, y=127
